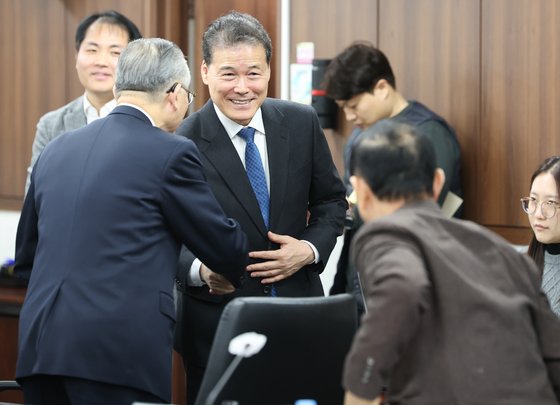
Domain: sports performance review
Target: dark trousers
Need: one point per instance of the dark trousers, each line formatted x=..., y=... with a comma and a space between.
x=60, y=390
x=194, y=381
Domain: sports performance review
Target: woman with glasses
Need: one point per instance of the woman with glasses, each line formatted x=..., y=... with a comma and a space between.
x=542, y=207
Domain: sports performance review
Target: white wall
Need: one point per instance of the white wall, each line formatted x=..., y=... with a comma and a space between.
x=8, y=226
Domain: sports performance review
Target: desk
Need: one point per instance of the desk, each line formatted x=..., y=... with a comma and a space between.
x=11, y=299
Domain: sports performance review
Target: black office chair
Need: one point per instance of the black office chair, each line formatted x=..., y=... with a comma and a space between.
x=307, y=341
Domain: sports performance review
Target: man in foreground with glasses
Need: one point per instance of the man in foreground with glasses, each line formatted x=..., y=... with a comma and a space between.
x=542, y=207
x=107, y=210
x=455, y=315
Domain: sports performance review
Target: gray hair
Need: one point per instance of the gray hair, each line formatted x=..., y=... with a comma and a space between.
x=232, y=29
x=151, y=65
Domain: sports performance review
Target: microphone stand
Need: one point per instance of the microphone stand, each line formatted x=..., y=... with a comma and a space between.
x=213, y=395
x=245, y=345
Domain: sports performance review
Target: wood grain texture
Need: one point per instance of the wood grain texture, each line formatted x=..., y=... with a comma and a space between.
x=519, y=106
x=433, y=47
x=32, y=83
x=332, y=25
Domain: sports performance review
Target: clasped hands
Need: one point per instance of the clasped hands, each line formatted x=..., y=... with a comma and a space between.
x=276, y=265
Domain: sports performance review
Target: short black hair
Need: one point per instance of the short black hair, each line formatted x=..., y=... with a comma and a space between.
x=109, y=17
x=232, y=29
x=395, y=160
x=357, y=70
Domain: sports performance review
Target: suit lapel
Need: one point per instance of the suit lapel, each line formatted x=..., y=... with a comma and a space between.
x=277, y=144
x=75, y=118
x=219, y=150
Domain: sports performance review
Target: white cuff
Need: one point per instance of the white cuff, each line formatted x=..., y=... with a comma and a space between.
x=315, y=251
x=193, y=278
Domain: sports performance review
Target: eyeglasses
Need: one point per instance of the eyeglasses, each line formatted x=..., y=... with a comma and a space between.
x=548, y=208
x=190, y=94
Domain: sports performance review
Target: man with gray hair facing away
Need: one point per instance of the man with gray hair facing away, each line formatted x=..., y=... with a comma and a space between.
x=108, y=209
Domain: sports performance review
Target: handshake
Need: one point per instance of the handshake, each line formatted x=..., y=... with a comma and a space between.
x=8, y=277
x=7, y=269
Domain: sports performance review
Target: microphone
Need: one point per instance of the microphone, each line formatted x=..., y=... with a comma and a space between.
x=242, y=346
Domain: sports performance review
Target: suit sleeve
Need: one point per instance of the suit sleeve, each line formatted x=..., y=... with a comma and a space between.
x=42, y=137
x=327, y=198
x=186, y=259
x=197, y=218
x=396, y=290
x=27, y=236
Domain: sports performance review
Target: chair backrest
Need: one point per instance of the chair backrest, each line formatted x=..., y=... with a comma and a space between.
x=307, y=341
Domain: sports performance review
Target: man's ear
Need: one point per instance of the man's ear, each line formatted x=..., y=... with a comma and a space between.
x=439, y=181
x=204, y=72
x=381, y=88
x=172, y=99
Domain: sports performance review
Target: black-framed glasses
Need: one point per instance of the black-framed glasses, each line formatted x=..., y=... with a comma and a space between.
x=190, y=94
x=530, y=204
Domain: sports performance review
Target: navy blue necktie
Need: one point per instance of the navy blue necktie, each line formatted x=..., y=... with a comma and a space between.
x=255, y=172
x=257, y=178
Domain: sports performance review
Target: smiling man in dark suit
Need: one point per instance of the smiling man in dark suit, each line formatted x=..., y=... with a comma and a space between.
x=292, y=220
x=100, y=233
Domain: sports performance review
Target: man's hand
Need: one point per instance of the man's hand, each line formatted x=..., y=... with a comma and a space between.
x=281, y=263
x=351, y=399
x=217, y=283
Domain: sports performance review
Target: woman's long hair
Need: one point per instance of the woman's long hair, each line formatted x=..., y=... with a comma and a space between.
x=552, y=166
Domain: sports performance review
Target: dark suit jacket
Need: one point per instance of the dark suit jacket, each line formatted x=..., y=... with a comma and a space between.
x=302, y=178
x=108, y=208
x=456, y=316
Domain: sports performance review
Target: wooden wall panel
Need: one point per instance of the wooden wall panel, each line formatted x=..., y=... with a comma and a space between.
x=520, y=98
x=332, y=25
x=31, y=81
x=486, y=66
x=433, y=47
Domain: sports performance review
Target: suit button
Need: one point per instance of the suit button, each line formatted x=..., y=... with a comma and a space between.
x=266, y=289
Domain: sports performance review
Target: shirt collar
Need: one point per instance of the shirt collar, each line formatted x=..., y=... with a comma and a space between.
x=91, y=112
x=232, y=127
x=141, y=110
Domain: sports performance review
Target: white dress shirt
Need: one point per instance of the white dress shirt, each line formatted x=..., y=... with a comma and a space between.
x=91, y=112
